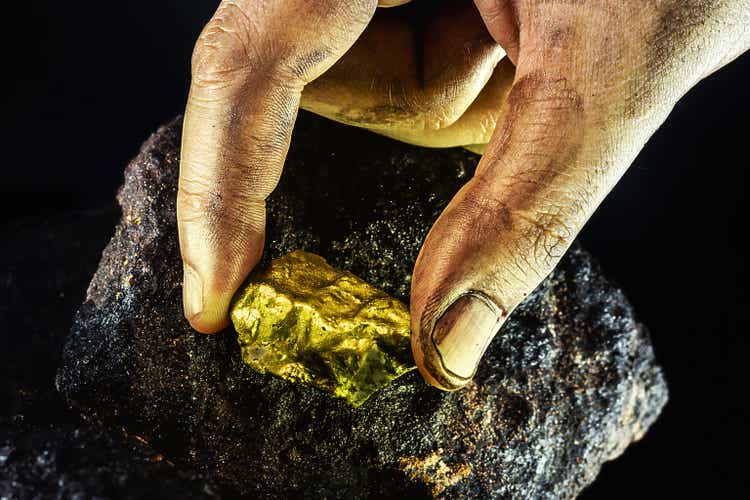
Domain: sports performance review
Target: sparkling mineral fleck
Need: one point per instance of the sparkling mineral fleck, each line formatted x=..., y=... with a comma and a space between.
x=307, y=322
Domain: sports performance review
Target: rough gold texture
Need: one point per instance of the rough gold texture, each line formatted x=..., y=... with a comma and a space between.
x=307, y=322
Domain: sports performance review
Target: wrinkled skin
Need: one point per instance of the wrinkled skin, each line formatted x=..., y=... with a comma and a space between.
x=560, y=118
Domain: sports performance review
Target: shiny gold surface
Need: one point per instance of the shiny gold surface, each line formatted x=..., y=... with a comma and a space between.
x=307, y=322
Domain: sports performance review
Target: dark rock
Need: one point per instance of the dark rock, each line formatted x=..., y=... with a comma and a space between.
x=567, y=385
x=60, y=461
x=47, y=452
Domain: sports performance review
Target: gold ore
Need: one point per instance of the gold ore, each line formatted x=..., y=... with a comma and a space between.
x=307, y=322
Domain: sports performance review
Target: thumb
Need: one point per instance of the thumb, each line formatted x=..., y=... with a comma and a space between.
x=548, y=166
x=592, y=84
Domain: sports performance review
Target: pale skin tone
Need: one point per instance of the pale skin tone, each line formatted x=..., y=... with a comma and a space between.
x=560, y=95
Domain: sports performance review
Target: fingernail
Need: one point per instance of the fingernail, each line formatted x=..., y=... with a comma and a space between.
x=463, y=333
x=192, y=292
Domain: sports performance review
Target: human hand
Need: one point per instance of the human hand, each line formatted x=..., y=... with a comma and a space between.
x=592, y=81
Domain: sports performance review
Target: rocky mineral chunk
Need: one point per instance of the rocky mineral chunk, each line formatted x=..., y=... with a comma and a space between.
x=568, y=384
x=308, y=322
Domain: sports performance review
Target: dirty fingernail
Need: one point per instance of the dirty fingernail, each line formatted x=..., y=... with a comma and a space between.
x=463, y=333
x=192, y=292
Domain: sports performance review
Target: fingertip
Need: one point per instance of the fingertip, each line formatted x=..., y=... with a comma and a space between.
x=206, y=310
x=502, y=24
x=211, y=319
x=192, y=292
x=449, y=350
x=207, y=326
x=218, y=254
x=426, y=358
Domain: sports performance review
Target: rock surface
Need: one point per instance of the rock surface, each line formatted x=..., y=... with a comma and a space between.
x=79, y=462
x=46, y=451
x=567, y=385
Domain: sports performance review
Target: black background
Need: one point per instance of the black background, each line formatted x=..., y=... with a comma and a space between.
x=90, y=80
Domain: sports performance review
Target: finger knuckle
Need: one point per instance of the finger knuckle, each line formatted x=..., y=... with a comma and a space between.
x=359, y=12
x=529, y=243
x=543, y=237
x=527, y=253
x=225, y=50
x=217, y=206
x=441, y=114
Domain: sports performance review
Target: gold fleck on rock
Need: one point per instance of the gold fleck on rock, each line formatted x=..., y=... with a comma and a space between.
x=307, y=322
x=433, y=471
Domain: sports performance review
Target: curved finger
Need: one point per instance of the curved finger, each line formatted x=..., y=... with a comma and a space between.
x=413, y=74
x=249, y=68
x=474, y=128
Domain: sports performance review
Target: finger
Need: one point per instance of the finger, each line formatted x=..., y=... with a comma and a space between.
x=414, y=74
x=567, y=132
x=502, y=22
x=474, y=128
x=249, y=68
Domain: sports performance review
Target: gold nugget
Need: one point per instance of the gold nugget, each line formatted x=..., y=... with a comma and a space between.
x=307, y=322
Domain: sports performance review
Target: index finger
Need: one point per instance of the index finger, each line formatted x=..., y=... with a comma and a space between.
x=250, y=65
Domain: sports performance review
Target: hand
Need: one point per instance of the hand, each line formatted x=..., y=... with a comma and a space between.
x=593, y=79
